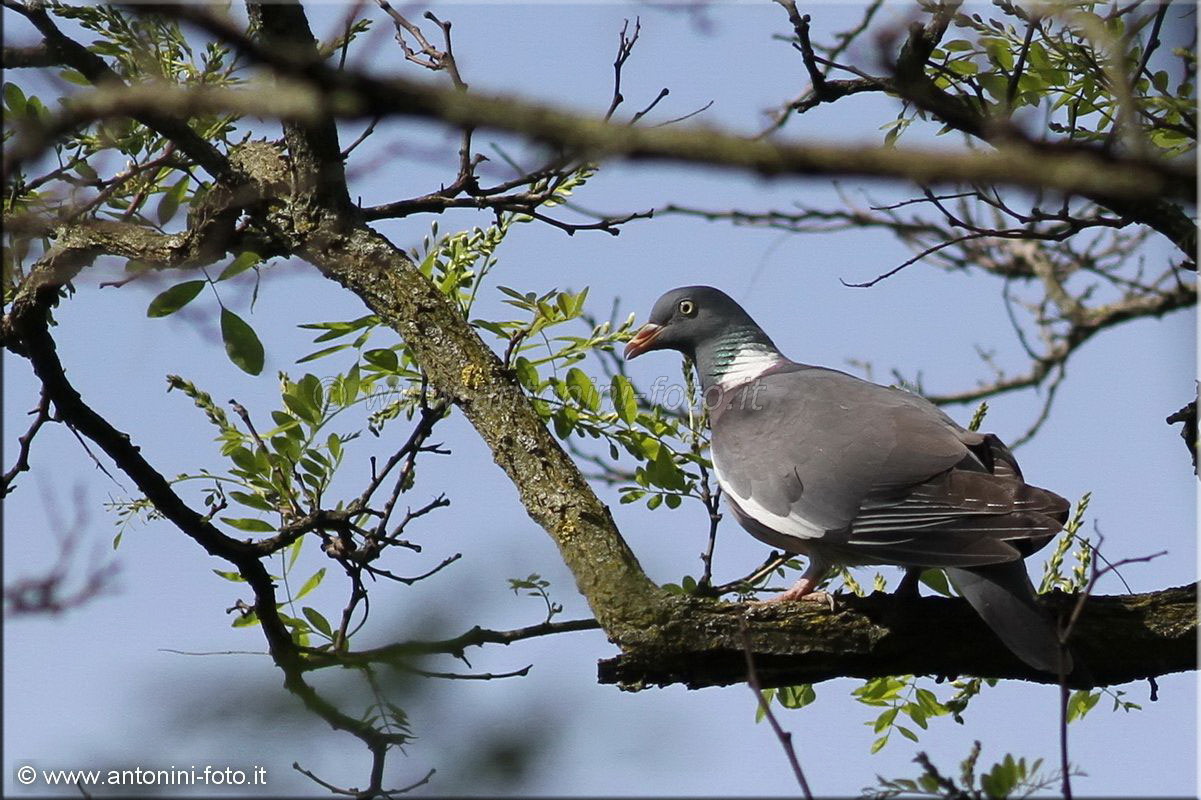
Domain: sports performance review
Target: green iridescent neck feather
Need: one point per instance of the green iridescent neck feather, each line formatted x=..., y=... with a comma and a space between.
x=724, y=354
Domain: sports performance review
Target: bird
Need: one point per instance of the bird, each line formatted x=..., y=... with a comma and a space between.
x=848, y=472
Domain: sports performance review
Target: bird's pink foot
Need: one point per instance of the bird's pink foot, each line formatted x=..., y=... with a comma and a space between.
x=802, y=591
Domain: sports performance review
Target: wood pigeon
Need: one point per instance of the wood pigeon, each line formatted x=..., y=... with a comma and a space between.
x=847, y=472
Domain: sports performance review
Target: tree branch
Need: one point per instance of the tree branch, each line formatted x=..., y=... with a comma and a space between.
x=700, y=644
x=38, y=55
x=315, y=155
x=348, y=95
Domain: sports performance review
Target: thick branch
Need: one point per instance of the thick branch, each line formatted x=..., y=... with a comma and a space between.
x=1117, y=639
x=461, y=366
x=316, y=157
x=348, y=95
x=34, y=56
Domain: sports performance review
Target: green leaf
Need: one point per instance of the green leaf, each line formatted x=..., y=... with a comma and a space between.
x=761, y=711
x=624, y=401
x=14, y=98
x=964, y=67
x=382, y=358
x=564, y=421
x=310, y=386
x=175, y=298
x=936, y=579
x=244, y=459
x=929, y=704
x=252, y=500
x=526, y=373
x=311, y=584
x=299, y=405
x=249, y=525
x=169, y=204
x=230, y=576
x=317, y=621
x=662, y=471
x=1080, y=703
x=916, y=714
x=957, y=46
x=995, y=84
x=319, y=353
x=241, y=343
x=908, y=734
x=876, y=745
x=240, y=264
x=74, y=76
x=582, y=390
x=885, y=719
x=797, y=696
x=84, y=169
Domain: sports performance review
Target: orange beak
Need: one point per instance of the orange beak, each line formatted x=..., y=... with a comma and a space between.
x=644, y=339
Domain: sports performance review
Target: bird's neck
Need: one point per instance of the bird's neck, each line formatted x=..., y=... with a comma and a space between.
x=739, y=355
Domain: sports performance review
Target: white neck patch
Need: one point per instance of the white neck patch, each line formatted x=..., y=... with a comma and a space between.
x=748, y=364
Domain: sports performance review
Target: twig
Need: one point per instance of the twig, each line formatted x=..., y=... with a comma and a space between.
x=625, y=46
x=463, y=676
x=1064, y=766
x=95, y=459
x=800, y=24
x=475, y=637
x=928, y=251
x=664, y=92
x=383, y=573
x=366, y=793
x=25, y=441
x=785, y=737
x=1012, y=89
x=370, y=129
x=1064, y=638
x=429, y=417
x=773, y=562
x=689, y=115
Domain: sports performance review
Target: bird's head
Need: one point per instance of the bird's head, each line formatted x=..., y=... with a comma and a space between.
x=686, y=318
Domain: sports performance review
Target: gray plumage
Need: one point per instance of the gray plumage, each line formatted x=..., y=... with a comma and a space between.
x=819, y=462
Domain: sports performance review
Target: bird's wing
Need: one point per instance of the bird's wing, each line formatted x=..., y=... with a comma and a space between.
x=876, y=475
x=812, y=443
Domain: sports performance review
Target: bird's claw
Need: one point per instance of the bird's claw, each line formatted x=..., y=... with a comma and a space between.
x=792, y=595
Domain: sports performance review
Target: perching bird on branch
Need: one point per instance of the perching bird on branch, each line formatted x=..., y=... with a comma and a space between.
x=819, y=462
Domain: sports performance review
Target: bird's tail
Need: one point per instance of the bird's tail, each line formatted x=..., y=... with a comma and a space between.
x=1004, y=597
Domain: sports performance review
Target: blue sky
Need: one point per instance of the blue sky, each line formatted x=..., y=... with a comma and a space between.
x=95, y=687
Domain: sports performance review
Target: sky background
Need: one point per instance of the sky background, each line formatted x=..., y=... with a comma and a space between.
x=96, y=687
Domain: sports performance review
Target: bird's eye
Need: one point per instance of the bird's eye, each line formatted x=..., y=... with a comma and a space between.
x=687, y=308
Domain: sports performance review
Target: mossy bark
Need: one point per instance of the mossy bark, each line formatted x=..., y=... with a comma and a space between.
x=699, y=643
x=460, y=365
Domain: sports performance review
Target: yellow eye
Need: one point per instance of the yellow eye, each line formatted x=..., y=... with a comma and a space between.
x=687, y=308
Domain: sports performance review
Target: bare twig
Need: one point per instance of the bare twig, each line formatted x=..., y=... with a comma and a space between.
x=41, y=415
x=625, y=46
x=785, y=737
